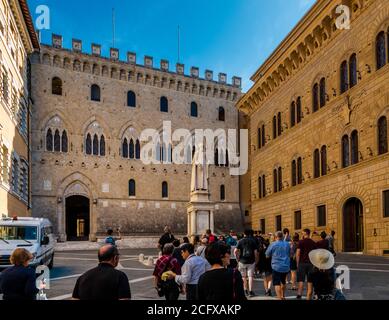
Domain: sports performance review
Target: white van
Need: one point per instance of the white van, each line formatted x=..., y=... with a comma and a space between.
x=33, y=234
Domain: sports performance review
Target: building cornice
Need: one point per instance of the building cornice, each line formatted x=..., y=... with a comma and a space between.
x=314, y=31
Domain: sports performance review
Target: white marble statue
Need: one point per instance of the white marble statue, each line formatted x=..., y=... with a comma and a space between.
x=199, y=171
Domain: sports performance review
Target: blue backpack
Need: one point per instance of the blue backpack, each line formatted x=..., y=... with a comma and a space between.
x=110, y=240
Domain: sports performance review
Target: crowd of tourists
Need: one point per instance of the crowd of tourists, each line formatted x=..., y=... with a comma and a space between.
x=211, y=267
x=225, y=267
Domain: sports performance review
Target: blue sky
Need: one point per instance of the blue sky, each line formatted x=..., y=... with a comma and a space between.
x=231, y=36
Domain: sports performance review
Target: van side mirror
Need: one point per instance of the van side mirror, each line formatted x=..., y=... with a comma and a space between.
x=45, y=241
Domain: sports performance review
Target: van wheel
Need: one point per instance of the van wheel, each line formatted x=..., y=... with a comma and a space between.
x=51, y=264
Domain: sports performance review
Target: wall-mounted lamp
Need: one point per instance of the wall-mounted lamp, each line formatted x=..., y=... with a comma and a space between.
x=334, y=92
x=95, y=201
x=59, y=200
x=368, y=68
x=375, y=232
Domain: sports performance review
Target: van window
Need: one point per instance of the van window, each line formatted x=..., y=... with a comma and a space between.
x=18, y=232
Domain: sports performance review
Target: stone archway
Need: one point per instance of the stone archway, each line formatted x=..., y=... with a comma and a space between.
x=77, y=218
x=355, y=201
x=353, y=237
x=77, y=185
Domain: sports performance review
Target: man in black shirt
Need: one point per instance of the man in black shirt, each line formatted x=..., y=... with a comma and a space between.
x=167, y=237
x=247, y=256
x=103, y=282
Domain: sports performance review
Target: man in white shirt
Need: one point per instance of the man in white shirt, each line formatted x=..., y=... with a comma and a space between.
x=193, y=268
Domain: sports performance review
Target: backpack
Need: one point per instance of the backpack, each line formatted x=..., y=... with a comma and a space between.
x=247, y=252
x=110, y=240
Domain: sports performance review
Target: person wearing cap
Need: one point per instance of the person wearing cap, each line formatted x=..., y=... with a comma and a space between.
x=193, y=268
x=321, y=281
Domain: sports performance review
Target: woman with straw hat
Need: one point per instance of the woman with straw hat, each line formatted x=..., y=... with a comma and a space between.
x=321, y=280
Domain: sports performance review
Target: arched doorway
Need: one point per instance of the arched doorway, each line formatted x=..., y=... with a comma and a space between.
x=353, y=225
x=77, y=218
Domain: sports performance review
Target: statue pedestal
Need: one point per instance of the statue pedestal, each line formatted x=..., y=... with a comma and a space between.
x=200, y=213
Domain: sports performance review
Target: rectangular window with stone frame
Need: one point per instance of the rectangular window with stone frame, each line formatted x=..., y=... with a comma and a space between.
x=15, y=175
x=385, y=197
x=321, y=216
x=4, y=165
x=297, y=220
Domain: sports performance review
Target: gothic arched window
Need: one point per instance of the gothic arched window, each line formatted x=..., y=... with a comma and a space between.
x=132, y=149
x=57, y=141
x=260, y=188
x=216, y=157
x=345, y=151
x=132, y=188
x=64, y=141
x=164, y=104
x=193, y=109
x=56, y=86
x=95, y=145
x=275, y=180
x=125, y=148
x=264, y=193
x=165, y=190
x=316, y=163
x=274, y=127
x=298, y=110
x=382, y=135
x=263, y=136
x=299, y=170
x=353, y=70
x=323, y=92
x=259, y=138
x=88, y=144
x=343, y=77
x=279, y=179
x=293, y=114
x=315, y=97
x=323, y=152
x=102, y=146
x=131, y=99
x=137, y=149
x=294, y=173
x=95, y=92
x=49, y=140
x=380, y=50
x=279, y=120
x=354, y=147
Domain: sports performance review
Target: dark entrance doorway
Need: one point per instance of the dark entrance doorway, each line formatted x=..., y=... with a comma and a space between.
x=77, y=218
x=353, y=225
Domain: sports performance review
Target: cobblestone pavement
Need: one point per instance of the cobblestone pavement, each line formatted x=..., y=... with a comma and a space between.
x=369, y=276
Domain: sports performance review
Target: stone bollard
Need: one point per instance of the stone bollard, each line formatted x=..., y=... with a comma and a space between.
x=141, y=258
x=150, y=261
